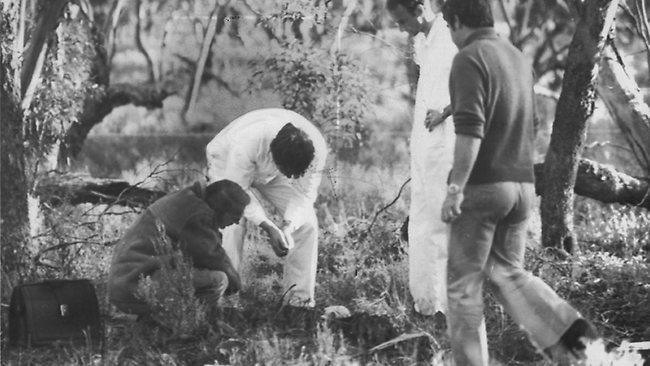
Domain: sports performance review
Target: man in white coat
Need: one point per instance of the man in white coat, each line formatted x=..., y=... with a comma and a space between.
x=277, y=155
x=432, y=141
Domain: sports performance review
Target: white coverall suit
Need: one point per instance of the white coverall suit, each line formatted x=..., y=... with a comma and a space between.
x=241, y=152
x=431, y=161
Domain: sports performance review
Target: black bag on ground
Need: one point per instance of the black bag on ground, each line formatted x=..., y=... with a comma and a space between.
x=56, y=310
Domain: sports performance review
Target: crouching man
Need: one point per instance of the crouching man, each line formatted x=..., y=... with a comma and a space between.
x=192, y=218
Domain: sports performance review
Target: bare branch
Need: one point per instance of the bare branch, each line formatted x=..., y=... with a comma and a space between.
x=399, y=194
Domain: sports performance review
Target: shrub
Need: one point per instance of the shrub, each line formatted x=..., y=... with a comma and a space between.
x=332, y=90
x=171, y=297
x=616, y=229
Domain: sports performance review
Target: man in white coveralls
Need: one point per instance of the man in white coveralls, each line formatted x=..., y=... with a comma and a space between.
x=278, y=155
x=432, y=141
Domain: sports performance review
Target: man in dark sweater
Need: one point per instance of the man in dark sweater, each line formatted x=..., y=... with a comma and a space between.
x=191, y=219
x=491, y=194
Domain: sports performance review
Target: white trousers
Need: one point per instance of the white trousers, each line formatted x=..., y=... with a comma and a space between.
x=299, y=277
x=431, y=161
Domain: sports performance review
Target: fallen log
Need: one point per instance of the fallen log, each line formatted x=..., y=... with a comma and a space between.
x=597, y=181
x=76, y=189
x=605, y=184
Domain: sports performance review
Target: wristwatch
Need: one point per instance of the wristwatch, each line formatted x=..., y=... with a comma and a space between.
x=453, y=189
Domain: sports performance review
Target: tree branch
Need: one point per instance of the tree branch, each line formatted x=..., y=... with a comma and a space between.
x=603, y=183
x=146, y=95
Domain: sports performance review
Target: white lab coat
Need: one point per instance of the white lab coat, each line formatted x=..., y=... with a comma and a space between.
x=241, y=153
x=431, y=161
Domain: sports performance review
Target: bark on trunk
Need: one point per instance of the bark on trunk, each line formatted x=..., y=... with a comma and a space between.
x=46, y=23
x=14, y=219
x=575, y=106
x=625, y=103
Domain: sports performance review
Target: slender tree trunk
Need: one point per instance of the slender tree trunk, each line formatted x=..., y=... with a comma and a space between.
x=14, y=219
x=625, y=103
x=576, y=104
x=151, y=77
x=110, y=28
x=216, y=17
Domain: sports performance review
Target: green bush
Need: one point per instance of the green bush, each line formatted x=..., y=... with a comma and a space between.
x=171, y=296
x=332, y=90
x=617, y=229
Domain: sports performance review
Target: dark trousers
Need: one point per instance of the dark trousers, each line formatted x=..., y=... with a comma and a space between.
x=209, y=287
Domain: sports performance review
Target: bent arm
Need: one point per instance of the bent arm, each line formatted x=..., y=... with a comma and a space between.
x=201, y=242
x=239, y=167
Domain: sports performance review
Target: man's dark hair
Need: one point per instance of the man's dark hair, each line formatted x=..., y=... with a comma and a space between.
x=470, y=13
x=292, y=151
x=410, y=5
x=227, y=195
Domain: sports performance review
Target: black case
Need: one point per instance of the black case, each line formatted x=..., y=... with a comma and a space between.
x=56, y=310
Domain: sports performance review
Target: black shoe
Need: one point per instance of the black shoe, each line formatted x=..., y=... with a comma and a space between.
x=298, y=317
x=573, y=340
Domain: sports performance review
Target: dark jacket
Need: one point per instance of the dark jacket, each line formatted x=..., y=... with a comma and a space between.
x=188, y=221
x=491, y=91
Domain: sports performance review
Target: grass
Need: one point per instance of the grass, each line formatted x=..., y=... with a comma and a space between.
x=363, y=271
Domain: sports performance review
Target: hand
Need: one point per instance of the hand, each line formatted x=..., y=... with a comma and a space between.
x=434, y=118
x=287, y=230
x=234, y=282
x=277, y=239
x=451, y=207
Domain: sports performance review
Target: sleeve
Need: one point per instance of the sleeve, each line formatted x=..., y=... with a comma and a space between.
x=467, y=93
x=200, y=240
x=239, y=167
x=300, y=208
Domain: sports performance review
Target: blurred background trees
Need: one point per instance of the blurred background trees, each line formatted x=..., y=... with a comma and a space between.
x=161, y=67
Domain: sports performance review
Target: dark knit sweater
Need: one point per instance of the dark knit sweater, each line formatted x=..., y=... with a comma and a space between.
x=188, y=221
x=491, y=90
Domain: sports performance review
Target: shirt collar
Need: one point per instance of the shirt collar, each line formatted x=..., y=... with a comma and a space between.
x=480, y=33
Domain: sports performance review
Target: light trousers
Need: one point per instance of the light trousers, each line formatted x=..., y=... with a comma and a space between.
x=488, y=241
x=299, y=274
